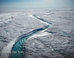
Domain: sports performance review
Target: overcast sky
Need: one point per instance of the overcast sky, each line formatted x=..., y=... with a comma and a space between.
x=36, y=3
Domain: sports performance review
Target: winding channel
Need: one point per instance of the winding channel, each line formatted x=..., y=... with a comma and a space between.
x=17, y=49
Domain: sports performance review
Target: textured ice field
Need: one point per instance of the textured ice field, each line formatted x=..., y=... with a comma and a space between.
x=55, y=42
x=13, y=25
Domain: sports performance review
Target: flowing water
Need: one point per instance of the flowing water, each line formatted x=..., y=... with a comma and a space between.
x=17, y=49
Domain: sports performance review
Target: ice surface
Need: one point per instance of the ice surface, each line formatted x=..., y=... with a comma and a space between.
x=60, y=41
x=55, y=42
x=13, y=25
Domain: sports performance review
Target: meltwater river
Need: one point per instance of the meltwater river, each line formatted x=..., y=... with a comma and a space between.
x=17, y=49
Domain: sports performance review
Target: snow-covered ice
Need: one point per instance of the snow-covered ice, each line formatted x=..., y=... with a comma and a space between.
x=53, y=42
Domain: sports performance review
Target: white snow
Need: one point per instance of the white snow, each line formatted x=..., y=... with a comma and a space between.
x=40, y=34
x=38, y=19
x=7, y=50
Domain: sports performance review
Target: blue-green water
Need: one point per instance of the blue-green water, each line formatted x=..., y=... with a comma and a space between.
x=17, y=49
